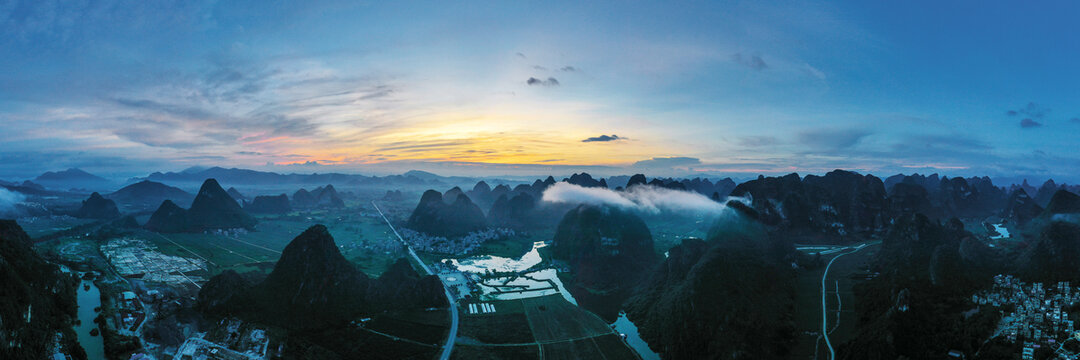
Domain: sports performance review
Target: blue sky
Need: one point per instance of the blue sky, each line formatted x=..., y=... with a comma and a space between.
x=714, y=88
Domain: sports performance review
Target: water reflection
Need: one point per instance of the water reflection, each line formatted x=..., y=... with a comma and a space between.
x=89, y=298
x=1000, y=228
x=526, y=285
x=626, y=327
x=480, y=264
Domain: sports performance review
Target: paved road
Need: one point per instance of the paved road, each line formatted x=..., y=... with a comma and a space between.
x=452, y=336
x=824, y=311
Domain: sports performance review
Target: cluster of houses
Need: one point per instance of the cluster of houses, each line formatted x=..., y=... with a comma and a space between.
x=464, y=245
x=240, y=342
x=1038, y=317
x=130, y=314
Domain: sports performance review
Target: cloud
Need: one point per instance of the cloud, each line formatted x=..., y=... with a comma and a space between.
x=8, y=200
x=813, y=71
x=520, y=55
x=831, y=139
x=952, y=142
x=1031, y=111
x=604, y=138
x=1028, y=123
x=754, y=61
x=540, y=68
x=667, y=162
x=537, y=82
x=758, y=141
x=645, y=198
x=175, y=110
x=568, y=69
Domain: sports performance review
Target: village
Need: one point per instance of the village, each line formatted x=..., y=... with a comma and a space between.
x=1037, y=317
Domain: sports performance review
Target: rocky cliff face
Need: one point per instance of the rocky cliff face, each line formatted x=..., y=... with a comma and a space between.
x=1045, y=193
x=148, y=194
x=213, y=208
x=322, y=197
x=841, y=203
x=265, y=204
x=216, y=293
x=585, y=180
x=328, y=197
x=1054, y=255
x=729, y=298
x=909, y=198
x=608, y=249
x=236, y=195
x=1021, y=208
x=37, y=300
x=313, y=286
x=927, y=273
x=302, y=199
x=97, y=207
x=169, y=218
x=1063, y=202
x=516, y=212
x=434, y=216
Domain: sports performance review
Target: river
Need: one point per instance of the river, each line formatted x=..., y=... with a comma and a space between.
x=88, y=300
x=624, y=326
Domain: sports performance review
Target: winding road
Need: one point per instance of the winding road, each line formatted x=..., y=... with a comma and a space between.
x=824, y=310
x=452, y=336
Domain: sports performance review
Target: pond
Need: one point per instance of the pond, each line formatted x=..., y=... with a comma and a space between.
x=89, y=298
x=1000, y=228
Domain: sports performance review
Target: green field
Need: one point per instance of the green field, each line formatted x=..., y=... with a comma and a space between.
x=469, y=352
x=39, y=226
x=546, y=327
x=601, y=347
x=808, y=302
x=552, y=318
x=668, y=230
x=259, y=250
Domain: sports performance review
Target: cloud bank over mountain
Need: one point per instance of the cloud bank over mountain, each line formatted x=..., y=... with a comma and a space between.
x=644, y=198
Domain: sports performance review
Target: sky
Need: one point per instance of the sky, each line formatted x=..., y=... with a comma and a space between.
x=711, y=88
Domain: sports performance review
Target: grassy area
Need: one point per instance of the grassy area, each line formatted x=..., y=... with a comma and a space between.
x=509, y=248
x=520, y=328
x=508, y=325
x=808, y=302
x=669, y=230
x=602, y=347
x=39, y=226
x=552, y=318
x=422, y=326
x=360, y=240
x=469, y=352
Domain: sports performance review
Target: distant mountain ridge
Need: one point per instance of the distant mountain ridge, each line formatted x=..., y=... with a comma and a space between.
x=149, y=193
x=255, y=177
x=72, y=174
x=72, y=178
